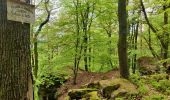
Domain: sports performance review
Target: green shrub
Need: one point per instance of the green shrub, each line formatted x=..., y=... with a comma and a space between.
x=161, y=85
x=136, y=79
x=155, y=97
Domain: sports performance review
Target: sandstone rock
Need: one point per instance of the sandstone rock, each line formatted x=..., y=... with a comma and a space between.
x=79, y=93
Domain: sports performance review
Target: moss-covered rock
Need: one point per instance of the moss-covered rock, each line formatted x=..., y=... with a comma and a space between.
x=104, y=89
x=107, y=91
x=95, y=85
x=79, y=93
x=117, y=88
x=92, y=96
x=148, y=65
x=149, y=69
x=126, y=89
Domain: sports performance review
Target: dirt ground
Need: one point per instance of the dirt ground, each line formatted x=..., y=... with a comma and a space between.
x=85, y=78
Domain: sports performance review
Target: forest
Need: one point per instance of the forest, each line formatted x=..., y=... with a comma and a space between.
x=85, y=50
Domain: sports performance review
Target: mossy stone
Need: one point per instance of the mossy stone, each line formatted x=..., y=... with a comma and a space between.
x=79, y=93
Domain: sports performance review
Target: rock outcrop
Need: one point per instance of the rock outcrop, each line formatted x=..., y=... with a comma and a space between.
x=104, y=90
x=148, y=65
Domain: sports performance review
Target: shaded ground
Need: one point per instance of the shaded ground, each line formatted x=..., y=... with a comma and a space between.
x=85, y=78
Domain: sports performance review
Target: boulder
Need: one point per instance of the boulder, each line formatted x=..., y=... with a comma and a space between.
x=79, y=93
x=92, y=96
x=114, y=88
x=104, y=90
x=148, y=65
x=95, y=85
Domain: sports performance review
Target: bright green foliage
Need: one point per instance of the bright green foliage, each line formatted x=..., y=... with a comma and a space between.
x=58, y=38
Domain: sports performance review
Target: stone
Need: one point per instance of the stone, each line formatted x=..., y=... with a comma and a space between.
x=79, y=93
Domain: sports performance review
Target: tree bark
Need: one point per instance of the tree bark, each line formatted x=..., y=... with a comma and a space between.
x=85, y=22
x=135, y=46
x=15, y=58
x=122, y=43
x=109, y=33
x=35, y=44
x=166, y=36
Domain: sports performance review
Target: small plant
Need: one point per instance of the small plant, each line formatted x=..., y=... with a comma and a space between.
x=155, y=97
x=140, y=84
x=162, y=84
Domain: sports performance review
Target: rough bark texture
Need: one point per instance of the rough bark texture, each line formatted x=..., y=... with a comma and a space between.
x=122, y=44
x=15, y=64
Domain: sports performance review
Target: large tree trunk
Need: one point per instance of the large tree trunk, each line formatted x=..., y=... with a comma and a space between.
x=15, y=64
x=122, y=44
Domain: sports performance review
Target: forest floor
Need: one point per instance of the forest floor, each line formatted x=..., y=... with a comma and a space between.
x=83, y=78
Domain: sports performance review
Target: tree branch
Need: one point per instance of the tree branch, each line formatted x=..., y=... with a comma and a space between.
x=150, y=25
x=46, y=20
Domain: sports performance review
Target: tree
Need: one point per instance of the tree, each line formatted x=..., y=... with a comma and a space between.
x=108, y=22
x=165, y=33
x=164, y=37
x=35, y=38
x=122, y=43
x=77, y=44
x=15, y=63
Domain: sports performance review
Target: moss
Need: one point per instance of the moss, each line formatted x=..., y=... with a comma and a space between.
x=158, y=77
x=67, y=98
x=118, y=88
x=156, y=97
x=160, y=82
x=149, y=69
x=94, y=85
x=92, y=96
x=106, y=92
x=79, y=93
x=104, y=89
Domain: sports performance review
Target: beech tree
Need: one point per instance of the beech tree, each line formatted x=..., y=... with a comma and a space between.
x=15, y=63
x=122, y=43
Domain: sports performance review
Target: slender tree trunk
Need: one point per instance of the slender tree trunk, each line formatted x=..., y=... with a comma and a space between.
x=135, y=46
x=89, y=28
x=166, y=36
x=141, y=39
x=85, y=51
x=132, y=43
x=15, y=58
x=148, y=41
x=35, y=56
x=122, y=44
x=155, y=30
x=77, y=43
x=90, y=52
x=110, y=48
x=46, y=2
x=85, y=18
